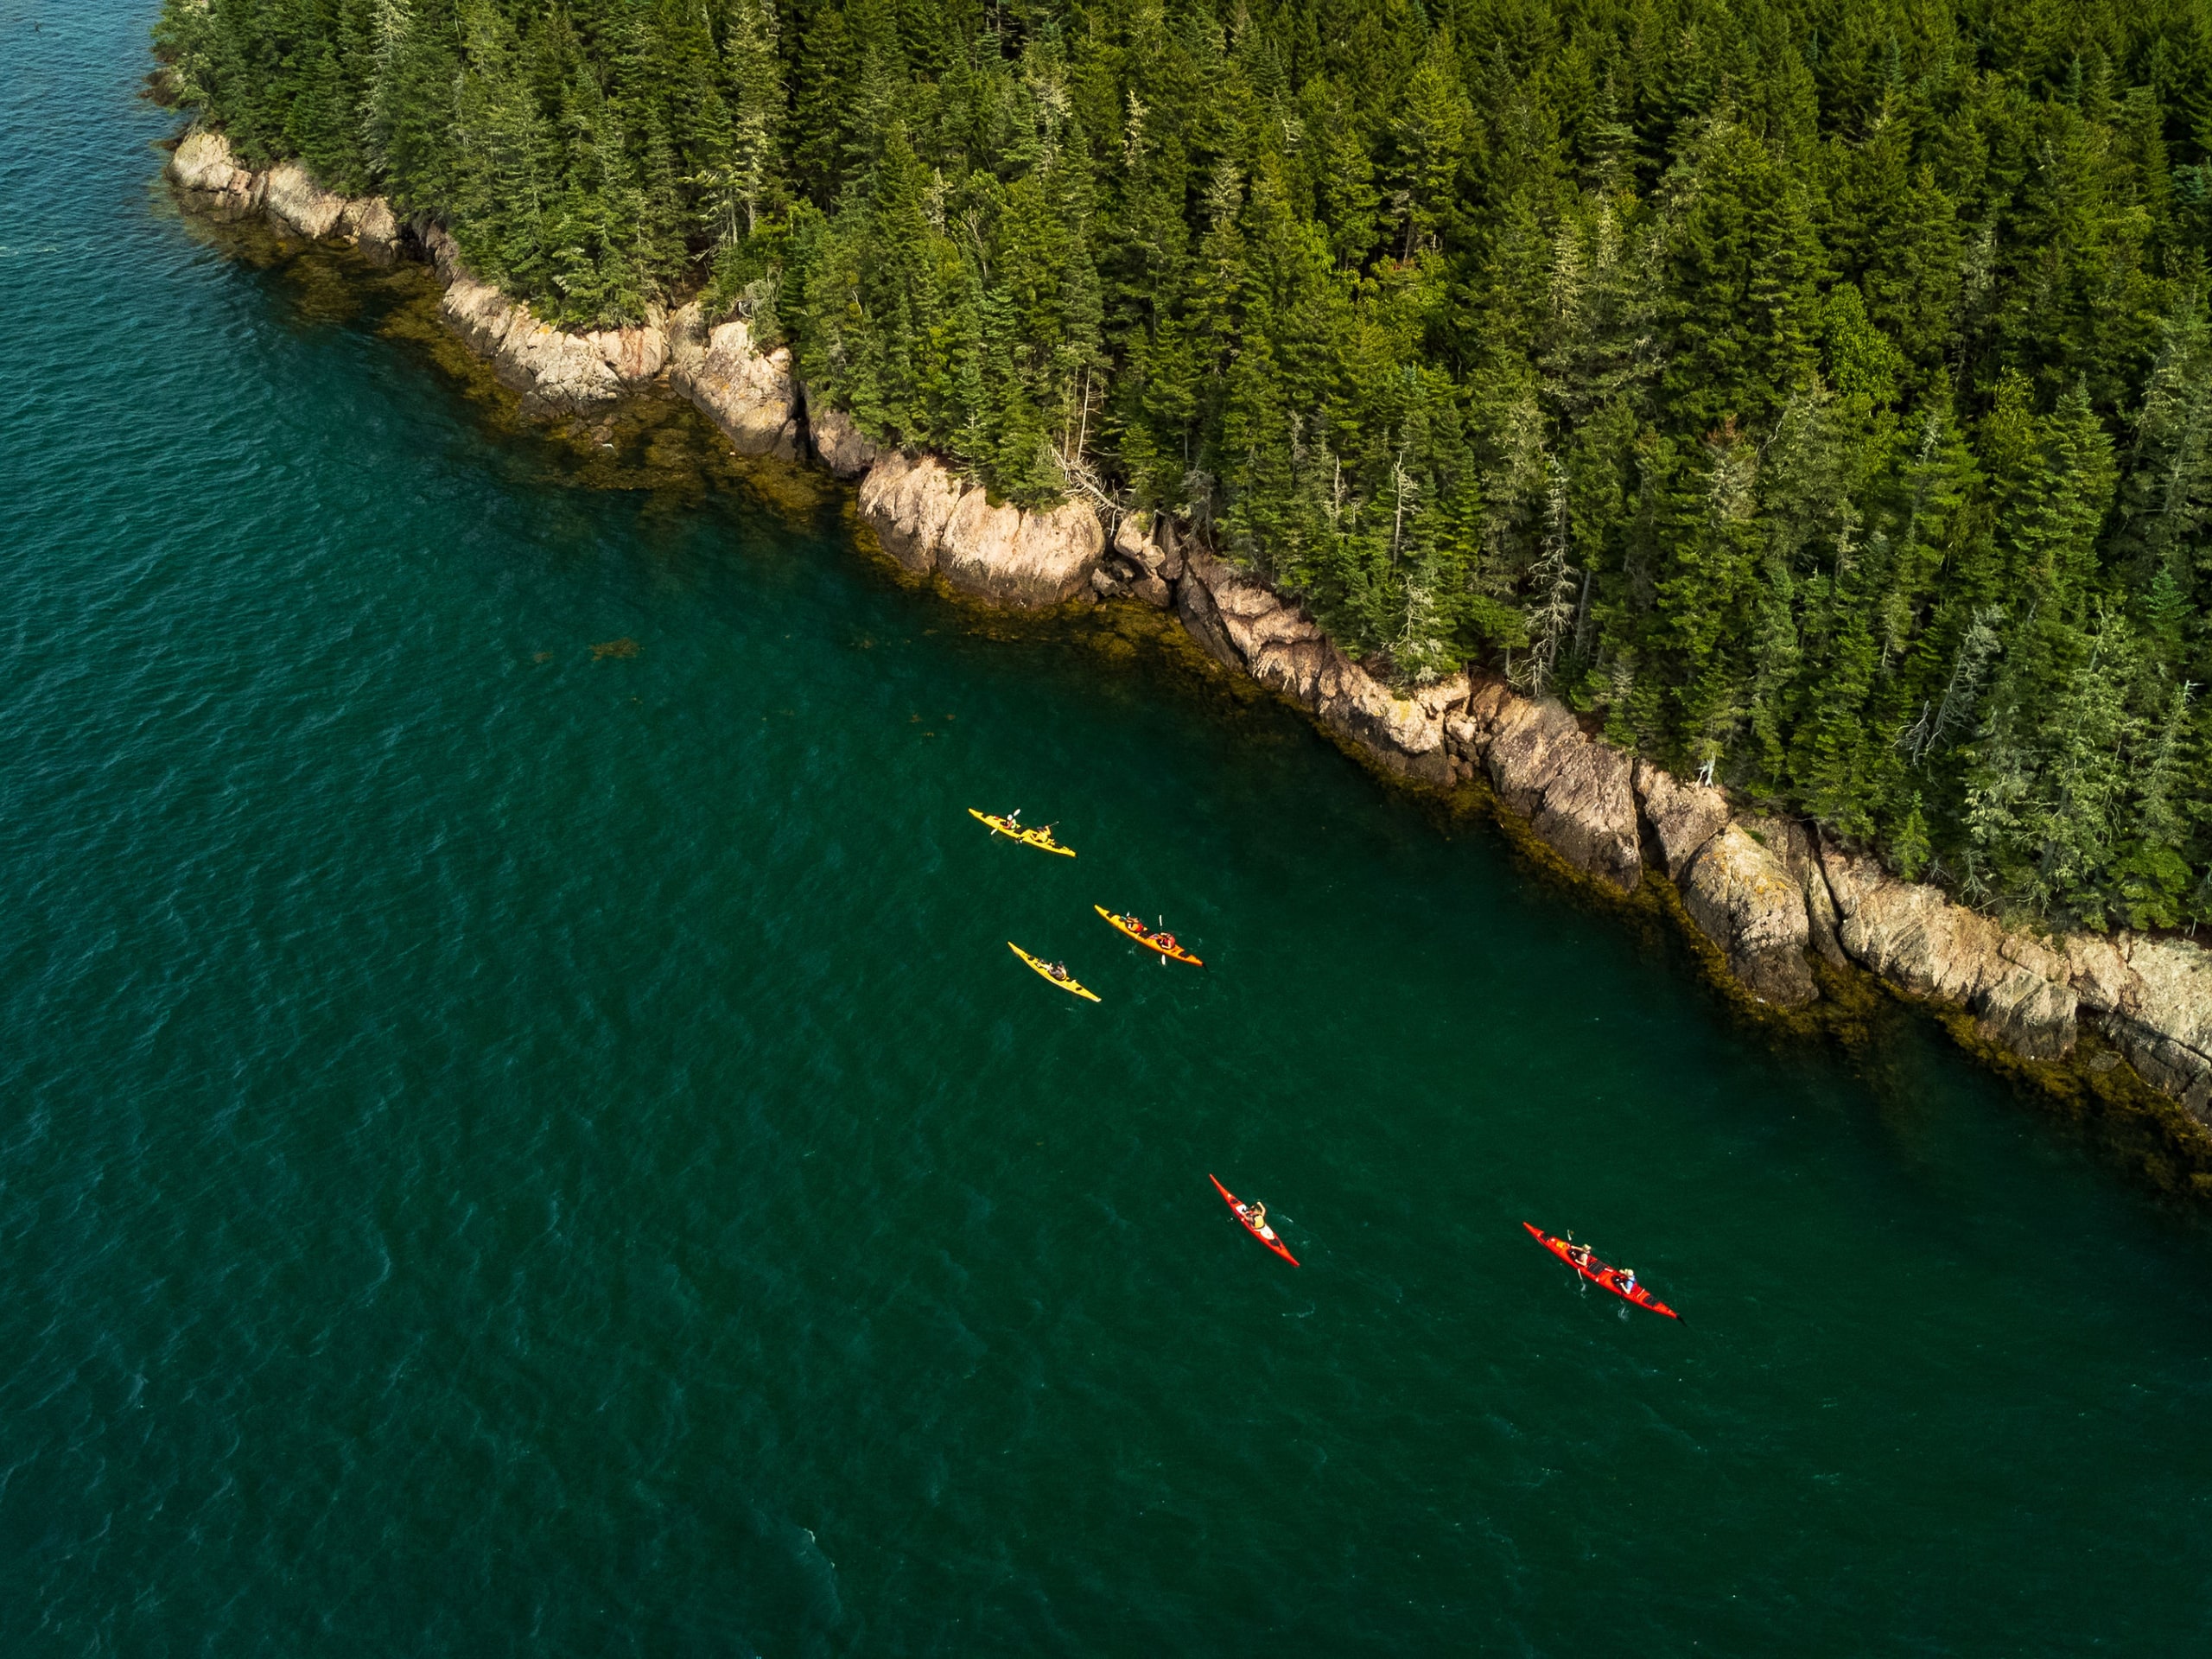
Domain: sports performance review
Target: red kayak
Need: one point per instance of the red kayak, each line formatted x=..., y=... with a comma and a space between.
x=1599, y=1273
x=1264, y=1233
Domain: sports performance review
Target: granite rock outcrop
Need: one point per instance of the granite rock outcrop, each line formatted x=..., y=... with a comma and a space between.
x=2160, y=1016
x=555, y=372
x=291, y=194
x=209, y=178
x=2017, y=988
x=1248, y=625
x=929, y=519
x=748, y=393
x=908, y=500
x=1683, y=817
x=838, y=443
x=1744, y=899
x=1011, y=556
x=1577, y=793
x=211, y=181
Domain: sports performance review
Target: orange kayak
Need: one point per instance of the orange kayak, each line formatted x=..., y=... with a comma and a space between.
x=1163, y=943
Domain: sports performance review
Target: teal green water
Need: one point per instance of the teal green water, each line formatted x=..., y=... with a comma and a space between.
x=505, y=1150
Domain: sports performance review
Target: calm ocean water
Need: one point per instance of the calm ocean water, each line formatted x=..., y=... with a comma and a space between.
x=511, y=1148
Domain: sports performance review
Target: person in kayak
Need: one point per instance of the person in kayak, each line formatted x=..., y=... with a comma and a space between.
x=1578, y=1254
x=1256, y=1214
x=1135, y=925
x=1057, y=969
x=1628, y=1281
x=1166, y=940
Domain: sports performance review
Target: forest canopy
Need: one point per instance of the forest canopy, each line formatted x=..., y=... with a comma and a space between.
x=1817, y=392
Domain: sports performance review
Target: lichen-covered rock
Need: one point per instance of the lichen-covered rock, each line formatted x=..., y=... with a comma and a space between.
x=2019, y=992
x=686, y=329
x=1683, y=817
x=1587, y=814
x=2098, y=970
x=636, y=354
x=1170, y=543
x=1469, y=731
x=213, y=183
x=2167, y=1030
x=373, y=225
x=1405, y=732
x=556, y=372
x=1528, y=741
x=908, y=501
x=840, y=445
x=1791, y=841
x=553, y=371
x=294, y=198
x=1144, y=541
x=1202, y=619
x=1744, y=900
x=1248, y=625
x=747, y=393
x=1252, y=615
x=2153, y=998
x=1010, y=556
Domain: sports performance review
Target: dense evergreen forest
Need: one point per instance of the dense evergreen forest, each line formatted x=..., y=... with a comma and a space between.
x=1817, y=391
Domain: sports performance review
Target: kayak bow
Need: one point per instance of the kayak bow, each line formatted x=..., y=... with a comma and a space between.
x=1264, y=1233
x=1599, y=1273
x=1012, y=831
x=1049, y=978
x=1146, y=938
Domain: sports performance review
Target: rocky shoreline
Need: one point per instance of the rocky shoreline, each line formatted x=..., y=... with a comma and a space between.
x=1772, y=895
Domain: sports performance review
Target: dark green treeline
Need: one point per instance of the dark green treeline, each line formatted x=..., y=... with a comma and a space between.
x=1819, y=391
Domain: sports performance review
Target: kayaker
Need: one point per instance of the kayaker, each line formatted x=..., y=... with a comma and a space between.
x=1256, y=1214
x=1134, y=924
x=1578, y=1254
x=1059, y=970
x=1166, y=940
x=1628, y=1281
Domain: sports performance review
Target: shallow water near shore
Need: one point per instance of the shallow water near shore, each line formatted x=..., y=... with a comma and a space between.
x=520, y=1131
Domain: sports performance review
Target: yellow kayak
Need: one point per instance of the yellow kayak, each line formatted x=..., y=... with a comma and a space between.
x=1065, y=984
x=1029, y=838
